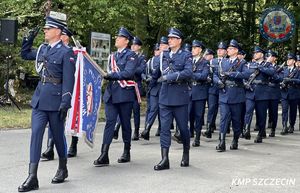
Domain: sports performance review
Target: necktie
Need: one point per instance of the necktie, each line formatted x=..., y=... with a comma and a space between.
x=48, y=48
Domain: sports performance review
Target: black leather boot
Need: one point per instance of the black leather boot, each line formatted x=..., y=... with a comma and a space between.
x=164, y=163
x=135, y=136
x=49, y=153
x=263, y=134
x=243, y=131
x=192, y=131
x=31, y=183
x=285, y=129
x=270, y=124
x=185, y=162
x=221, y=147
x=62, y=172
x=116, y=131
x=103, y=159
x=228, y=128
x=258, y=138
x=208, y=131
x=196, y=142
x=125, y=157
x=272, y=133
x=291, y=129
x=246, y=130
x=213, y=127
x=72, y=152
x=177, y=136
x=146, y=133
x=234, y=143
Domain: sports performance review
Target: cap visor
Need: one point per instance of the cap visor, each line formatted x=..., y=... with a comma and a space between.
x=174, y=36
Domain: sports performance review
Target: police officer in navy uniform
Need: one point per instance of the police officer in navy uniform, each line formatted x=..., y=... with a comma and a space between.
x=153, y=93
x=241, y=56
x=274, y=92
x=290, y=94
x=229, y=77
x=199, y=87
x=187, y=47
x=175, y=71
x=118, y=99
x=141, y=66
x=51, y=99
x=48, y=154
x=256, y=96
x=213, y=91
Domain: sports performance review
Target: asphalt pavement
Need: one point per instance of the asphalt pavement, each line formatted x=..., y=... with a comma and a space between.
x=273, y=166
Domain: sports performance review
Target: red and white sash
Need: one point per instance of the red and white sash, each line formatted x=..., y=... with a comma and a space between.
x=124, y=83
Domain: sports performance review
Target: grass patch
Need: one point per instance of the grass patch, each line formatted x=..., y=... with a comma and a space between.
x=11, y=117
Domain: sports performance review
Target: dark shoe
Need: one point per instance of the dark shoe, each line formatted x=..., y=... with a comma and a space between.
x=258, y=139
x=103, y=159
x=62, y=172
x=185, y=162
x=291, y=129
x=126, y=154
x=73, y=147
x=272, y=133
x=234, y=143
x=208, y=131
x=285, y=130
x=49, y=153
x=246, y=130
x=116, y=131
x=31, y=183
x=196, y=142
x=164, y=163
x=221, y=147
x=146, y=133
x=135, y=136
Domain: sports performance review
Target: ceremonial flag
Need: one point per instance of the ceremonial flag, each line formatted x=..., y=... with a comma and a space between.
x=86, y=99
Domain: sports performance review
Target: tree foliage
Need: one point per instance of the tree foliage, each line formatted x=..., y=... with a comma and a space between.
x=209, y=21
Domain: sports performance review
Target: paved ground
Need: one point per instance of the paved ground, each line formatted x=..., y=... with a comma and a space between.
x=273, y=166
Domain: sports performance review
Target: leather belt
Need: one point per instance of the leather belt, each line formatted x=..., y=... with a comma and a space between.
x=260, y=82
x=45, y=79
x=194, y=83
x=230, y=83
x=273, y=85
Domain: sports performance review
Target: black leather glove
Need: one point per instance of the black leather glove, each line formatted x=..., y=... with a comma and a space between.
x=209, y=80
x=63, y=111
x=33, y=32
x=285, y=80
x=162, y=79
